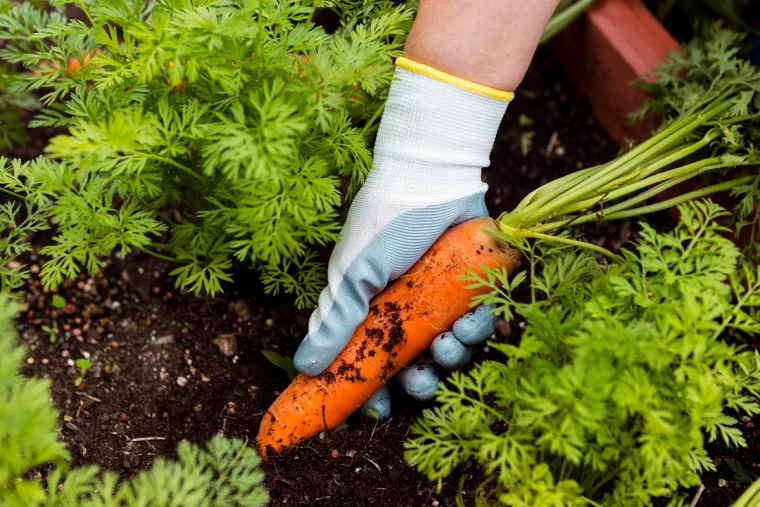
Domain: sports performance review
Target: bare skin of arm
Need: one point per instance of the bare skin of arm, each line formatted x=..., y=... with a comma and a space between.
x=489, y=42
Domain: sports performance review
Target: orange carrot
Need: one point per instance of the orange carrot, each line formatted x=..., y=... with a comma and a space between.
x=73, y=65
x=403, y=321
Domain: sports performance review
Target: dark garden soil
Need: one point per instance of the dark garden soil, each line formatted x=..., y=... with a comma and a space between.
x=168, y=366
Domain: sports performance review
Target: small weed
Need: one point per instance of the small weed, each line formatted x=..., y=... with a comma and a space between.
x=84, y=366
x=374, y=414
x=52, y=333
x=524, y=121
x=58, y=301
x=738, y=471
x=280, y=361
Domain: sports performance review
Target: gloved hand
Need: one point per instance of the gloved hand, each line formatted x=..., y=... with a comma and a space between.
x=435, y=136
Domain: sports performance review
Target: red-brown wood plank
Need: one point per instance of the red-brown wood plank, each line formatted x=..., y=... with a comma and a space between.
x=612, y=44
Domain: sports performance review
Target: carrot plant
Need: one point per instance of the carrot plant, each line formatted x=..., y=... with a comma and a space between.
x=620, y=375
x=225, y=126
x=12, y=103
x=623, y=370
x=711, y=71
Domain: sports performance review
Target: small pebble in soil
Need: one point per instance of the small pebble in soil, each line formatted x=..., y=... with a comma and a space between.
x=242, y=310
x=227, y=344
x=162, y=340
x=722, y=483
x=181, y=381
x=503, y=328
x=335, y=453
x=30, y=360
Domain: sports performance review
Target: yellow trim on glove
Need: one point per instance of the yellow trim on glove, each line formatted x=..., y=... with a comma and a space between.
x=421, y=68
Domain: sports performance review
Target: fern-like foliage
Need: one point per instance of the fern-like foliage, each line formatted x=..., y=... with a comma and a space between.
x=13, y=104
x=228, y=124
x=702, y=71
x=226, y=473
x=619, y=375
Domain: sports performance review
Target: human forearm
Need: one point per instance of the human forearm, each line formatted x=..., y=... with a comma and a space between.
x=489, y=42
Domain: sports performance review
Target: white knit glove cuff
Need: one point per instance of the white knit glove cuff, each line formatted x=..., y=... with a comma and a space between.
x=434, y=138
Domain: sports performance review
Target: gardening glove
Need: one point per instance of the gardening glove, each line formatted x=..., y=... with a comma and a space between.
x=436, y=134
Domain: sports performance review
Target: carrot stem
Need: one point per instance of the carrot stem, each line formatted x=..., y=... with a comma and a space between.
x=525, y=233
x=689, y=170
x=158, y=255
x=570, y=191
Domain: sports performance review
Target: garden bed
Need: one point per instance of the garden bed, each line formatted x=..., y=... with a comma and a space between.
x=164, y=369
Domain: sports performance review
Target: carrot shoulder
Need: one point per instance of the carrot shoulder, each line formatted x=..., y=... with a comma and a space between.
x=402, y=322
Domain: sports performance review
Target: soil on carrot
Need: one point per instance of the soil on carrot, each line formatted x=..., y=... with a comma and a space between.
x=167, y=366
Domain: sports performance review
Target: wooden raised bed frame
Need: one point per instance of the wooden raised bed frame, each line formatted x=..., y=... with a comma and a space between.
x=614, y=43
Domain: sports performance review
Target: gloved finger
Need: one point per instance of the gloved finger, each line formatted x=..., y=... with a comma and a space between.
x=475, y=327
x=419, y=382
x=379, y=405
x=450, y=352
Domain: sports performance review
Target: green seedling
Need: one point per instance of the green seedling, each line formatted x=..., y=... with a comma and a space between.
x=373, y=413
x=52, y=333
x=58, y=301
x=524, y=121
x=84, y=366
x=280, y=361
x=738, y=472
